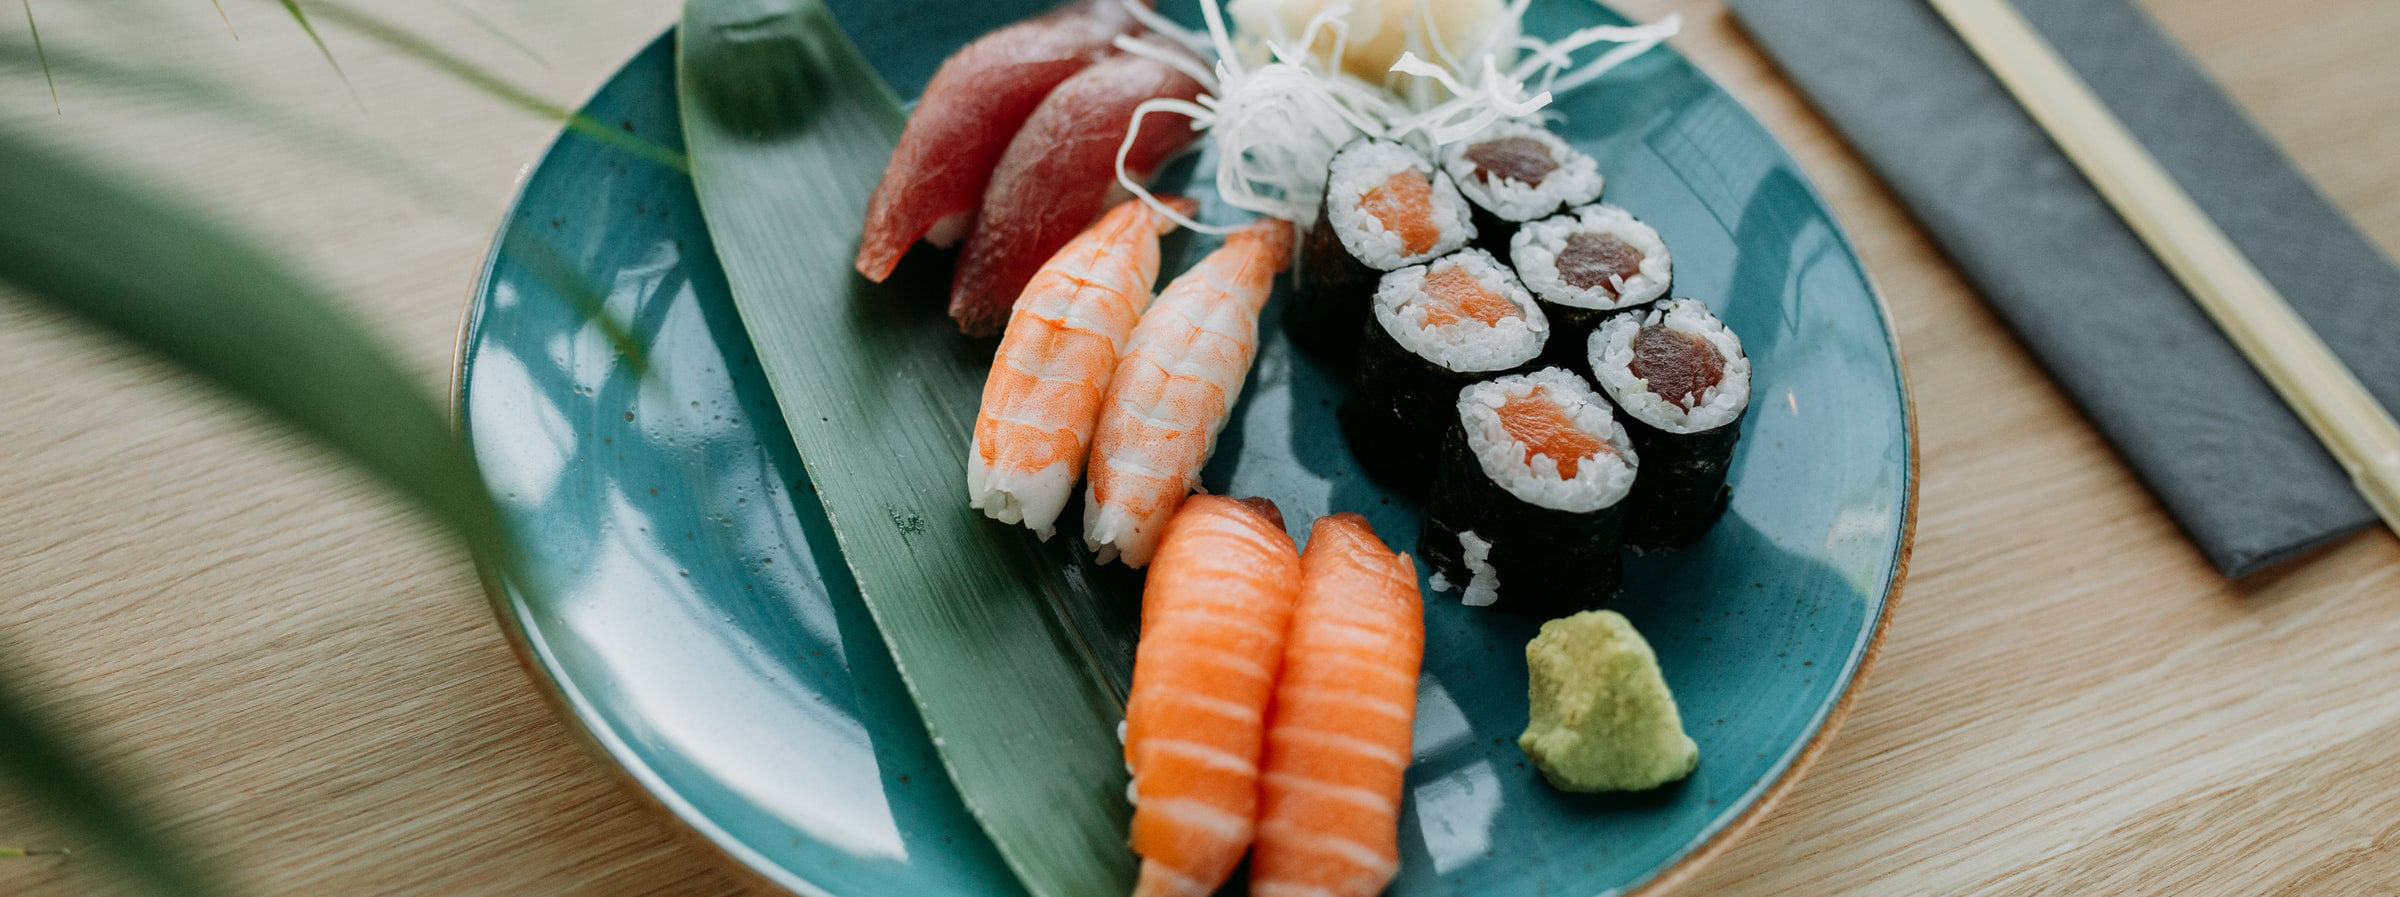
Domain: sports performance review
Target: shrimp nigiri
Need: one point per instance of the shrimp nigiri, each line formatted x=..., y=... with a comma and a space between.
x=1043, y=394
x=974, y=105
x=1173, y=389
x=1338, y=741
x=1057, y=173
x=1214, y=611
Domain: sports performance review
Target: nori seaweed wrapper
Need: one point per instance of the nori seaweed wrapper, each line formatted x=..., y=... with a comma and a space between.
x=1571, y=328
x=1493, y=232
x=1551, y=563
x=1681, y=490
x=1336, y=296
x=1400, y=404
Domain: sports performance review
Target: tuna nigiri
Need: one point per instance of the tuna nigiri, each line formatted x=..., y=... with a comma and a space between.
x=1338, y=740
x=1173, y=389
x=1214, y=611
x=1057, y=173
x=1043, y=394
x=975, y=103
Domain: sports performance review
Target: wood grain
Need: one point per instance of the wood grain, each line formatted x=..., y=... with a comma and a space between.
x=306, y=682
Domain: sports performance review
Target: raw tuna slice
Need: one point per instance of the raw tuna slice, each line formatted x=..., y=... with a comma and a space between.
x=1058, y=174
x=974, y=104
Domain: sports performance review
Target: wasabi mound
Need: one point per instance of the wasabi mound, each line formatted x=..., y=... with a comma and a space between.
x=1603, y=719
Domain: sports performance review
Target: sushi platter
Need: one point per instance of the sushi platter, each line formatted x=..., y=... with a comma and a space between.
x=1495, y=486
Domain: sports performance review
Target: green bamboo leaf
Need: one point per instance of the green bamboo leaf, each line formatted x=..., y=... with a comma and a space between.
x=1008, y=646
x=59, y=776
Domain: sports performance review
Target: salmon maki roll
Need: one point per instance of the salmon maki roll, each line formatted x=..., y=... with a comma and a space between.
x=1042, y=397
x=1385, y=207
x=1338, y=739
x=1214, y=610
x=1057, y=173
x=974, y=105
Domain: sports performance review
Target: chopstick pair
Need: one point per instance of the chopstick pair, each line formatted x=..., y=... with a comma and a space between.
x=2327, y=397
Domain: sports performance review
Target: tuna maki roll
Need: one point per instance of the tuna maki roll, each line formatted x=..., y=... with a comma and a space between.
x=1436, y=327
x=1515, y=172
x=1529, y=495
x=1683, y=382
x=1385, y=208
x=1585, y=265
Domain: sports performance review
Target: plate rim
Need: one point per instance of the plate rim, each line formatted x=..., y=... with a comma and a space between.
x=691, y=828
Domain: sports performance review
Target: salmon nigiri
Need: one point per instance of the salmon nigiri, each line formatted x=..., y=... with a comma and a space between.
x=1174, y=389
x=1057, y=173
x=1213, y=616
x=1043, y=395
x=975, y=103
x=1338, y=741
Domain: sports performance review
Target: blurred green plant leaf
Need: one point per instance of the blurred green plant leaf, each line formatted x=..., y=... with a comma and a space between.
x=402, y=41
x=191, y=91
x=41, y=54
x=492, y=28
x=55, y=774
x=167, y=279
x=300, y=16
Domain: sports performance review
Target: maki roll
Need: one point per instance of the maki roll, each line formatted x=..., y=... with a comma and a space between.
x=1586, y=265
x=1437, y=327
x=1385, y=208
x=1528, y=496
x=1515, y=172
x=1683, y=382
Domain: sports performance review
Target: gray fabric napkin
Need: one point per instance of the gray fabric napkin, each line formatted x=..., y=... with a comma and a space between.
x=2229, y=461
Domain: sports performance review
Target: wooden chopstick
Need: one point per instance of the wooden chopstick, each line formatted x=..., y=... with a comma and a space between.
x=2318, y=387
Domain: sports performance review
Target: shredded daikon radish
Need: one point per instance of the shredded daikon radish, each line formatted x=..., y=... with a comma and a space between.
x=1276, y=126
x=1278, y=112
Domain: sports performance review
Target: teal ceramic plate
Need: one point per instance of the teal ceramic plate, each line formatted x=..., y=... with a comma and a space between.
x=700, y=629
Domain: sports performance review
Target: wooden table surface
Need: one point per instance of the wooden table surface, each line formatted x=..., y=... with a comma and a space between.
x=306, y=682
